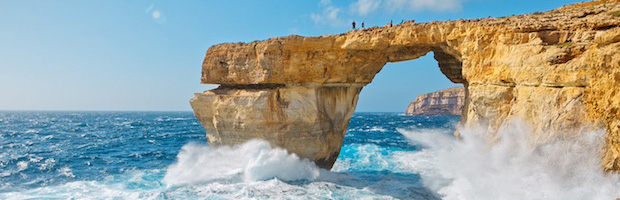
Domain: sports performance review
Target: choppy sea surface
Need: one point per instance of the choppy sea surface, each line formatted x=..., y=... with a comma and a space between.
x=164, y=155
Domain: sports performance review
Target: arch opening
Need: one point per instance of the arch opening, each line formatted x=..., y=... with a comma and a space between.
x=305, y=104
x=399, y=82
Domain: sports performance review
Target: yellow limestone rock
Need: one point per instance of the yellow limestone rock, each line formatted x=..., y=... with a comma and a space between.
x=559, y=70
x=443, y=102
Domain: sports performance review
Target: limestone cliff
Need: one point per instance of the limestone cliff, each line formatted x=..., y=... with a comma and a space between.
x=559, y=70
x=443, y=102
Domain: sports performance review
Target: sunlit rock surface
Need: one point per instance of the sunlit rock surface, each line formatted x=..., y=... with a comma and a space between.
x=443, y=102
x=559, y=70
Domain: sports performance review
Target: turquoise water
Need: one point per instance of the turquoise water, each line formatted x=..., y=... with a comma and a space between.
x=165, y=155
x=129, y=155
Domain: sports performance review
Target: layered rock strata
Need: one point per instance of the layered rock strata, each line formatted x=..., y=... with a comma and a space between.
x=443, y=102
x=558, y=70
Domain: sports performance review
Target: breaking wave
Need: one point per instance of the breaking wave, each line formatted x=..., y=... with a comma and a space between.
x=251, y=161
x=512, y=168
x=151, y=155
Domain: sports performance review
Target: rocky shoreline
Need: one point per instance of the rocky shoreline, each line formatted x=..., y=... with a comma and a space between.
x=558, y=71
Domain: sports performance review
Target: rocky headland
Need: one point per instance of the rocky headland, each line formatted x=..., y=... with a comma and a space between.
x=443, y=102
x=558, y=70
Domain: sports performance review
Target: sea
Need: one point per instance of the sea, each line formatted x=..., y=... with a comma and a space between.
x=165, y=155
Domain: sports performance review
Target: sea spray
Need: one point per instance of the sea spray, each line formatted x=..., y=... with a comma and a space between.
x=371, y=165
x=255, y=170
x=511, y=168
x=251, y=161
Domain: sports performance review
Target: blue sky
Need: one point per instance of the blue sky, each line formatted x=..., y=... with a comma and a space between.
x=147, y=55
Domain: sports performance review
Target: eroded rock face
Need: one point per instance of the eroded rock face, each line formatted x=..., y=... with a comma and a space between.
x=308, y=120
x=443, y=102
x=559, y=70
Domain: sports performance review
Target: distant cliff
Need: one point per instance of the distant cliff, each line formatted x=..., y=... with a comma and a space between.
x=443, y=102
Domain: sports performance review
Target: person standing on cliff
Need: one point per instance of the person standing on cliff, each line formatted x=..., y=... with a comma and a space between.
x=390, y=23
x=362, y=24
x=353, y=24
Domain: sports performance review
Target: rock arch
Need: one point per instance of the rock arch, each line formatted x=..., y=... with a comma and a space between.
x=297, y=98
x=556, y=69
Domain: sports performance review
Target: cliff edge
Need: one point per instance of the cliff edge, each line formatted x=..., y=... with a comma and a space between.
x=443, y=102
x=558, y=70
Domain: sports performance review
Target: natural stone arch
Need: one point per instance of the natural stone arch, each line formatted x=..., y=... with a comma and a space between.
x=307, y=116
x=558, y=70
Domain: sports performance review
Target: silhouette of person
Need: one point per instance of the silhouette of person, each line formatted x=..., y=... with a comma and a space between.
x=390, y=23
x=353, y=24
x=362, y=24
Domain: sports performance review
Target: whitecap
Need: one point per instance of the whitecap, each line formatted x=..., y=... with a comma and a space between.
x=47, y=137
x=81, y=190
x=22, y=165
x=66, y=171
x=377, y=129
x=47, y=164
x=31, y=131
x=250, y=161
x=275, y=176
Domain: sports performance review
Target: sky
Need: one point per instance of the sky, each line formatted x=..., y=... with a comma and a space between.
x=147, y=55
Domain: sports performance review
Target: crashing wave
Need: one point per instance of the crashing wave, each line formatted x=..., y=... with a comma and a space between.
x=252, y=161
x=511, y=168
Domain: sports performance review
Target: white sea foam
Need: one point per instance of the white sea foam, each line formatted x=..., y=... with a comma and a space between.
x=465, y=169
x=369, y=129
x=31, y=131
x=251, y=161
x=252, y=170
x=377, y=129
x=22, y=165
x=141, y=185
x=81, y=190
x=34, y=158
x=473, y=169
x=164, y=119
x=66, y=171
x=364, y=157
x=47, y=164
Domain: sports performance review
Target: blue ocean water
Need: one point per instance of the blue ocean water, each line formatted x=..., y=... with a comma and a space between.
x=126, y=155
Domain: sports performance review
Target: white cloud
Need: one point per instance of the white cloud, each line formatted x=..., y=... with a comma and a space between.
x=364, y=7
x=155, y=14
x=325, y=3
x=329, y=15
x=332, y=15
x=417, y=5
x=294, y=31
